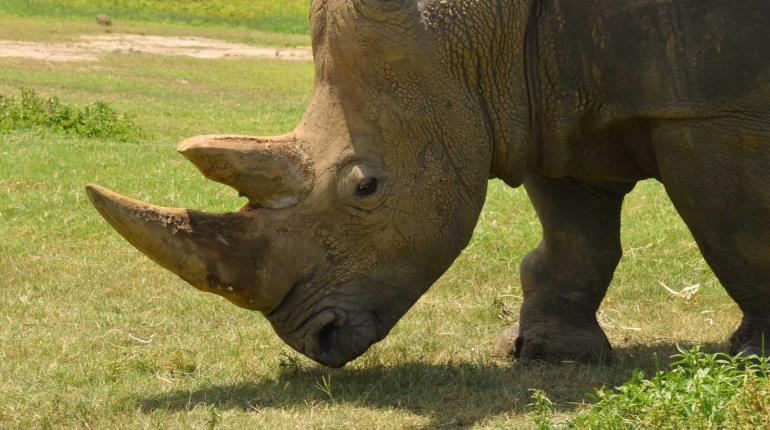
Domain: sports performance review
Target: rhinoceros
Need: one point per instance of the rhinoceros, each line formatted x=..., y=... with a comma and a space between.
x=418, y=103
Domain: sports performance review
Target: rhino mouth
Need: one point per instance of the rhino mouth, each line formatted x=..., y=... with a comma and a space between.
x=333, y=336
x=336, y=344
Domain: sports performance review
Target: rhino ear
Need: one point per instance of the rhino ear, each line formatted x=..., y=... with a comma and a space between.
x=271, y=172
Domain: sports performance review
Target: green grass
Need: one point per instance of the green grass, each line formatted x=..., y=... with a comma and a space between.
x=282, y=16
x=701, y=391
x=69, y=29
x=94, y=335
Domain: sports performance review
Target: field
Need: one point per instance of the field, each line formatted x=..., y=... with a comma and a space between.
x=94, y=335
x=284, y=16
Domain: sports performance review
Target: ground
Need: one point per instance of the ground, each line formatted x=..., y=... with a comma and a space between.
x=94, y=335
x=93, y=47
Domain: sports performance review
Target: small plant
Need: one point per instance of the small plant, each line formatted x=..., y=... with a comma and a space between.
x=542, y=410
x=700, y=391
x=213, y=419
x=325, y=386
x=30, y=111
x=289, y=363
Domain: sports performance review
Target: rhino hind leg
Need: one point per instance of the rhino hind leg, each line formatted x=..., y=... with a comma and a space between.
x=724, y=198
x=566, y=277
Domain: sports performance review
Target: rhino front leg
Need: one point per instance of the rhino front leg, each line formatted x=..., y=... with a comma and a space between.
x=566, y=277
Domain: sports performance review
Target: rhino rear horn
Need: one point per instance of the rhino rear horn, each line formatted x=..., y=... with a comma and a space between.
x=272, y=172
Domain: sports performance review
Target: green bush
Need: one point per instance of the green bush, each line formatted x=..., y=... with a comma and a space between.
x=30, y=111
x=701, y=391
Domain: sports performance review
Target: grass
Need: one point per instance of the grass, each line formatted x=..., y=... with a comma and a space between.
x=281, y=16
x=94, y=335
x=56, y=29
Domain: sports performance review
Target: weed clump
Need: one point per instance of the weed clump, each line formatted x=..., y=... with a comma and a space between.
x=99, y=120
x=701, y=391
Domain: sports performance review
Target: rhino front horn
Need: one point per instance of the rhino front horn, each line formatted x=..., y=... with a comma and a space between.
x=213, y=252
x=272, y=172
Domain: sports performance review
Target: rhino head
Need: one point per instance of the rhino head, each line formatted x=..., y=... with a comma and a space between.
x=353, y=215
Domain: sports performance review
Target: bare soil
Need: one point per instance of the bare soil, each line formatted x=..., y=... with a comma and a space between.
x=93, y=47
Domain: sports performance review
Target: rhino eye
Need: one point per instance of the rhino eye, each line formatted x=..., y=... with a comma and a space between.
x=367, y=187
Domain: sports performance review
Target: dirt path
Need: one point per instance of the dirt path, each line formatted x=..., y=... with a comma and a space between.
x=91, y=48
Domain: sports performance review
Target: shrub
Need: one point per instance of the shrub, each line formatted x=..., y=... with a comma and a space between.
x=701, y=391
x=30, y=111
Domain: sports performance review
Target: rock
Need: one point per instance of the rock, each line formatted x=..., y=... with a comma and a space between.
x=104, y=20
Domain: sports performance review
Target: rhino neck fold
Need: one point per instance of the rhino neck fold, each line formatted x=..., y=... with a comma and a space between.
x=498, y=67
x=518, y=155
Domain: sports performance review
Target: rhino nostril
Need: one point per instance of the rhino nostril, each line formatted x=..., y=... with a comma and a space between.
x=326, y=336
x=327, y=332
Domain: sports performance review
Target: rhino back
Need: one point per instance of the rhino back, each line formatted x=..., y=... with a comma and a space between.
x=660, y=57
x=604, y=71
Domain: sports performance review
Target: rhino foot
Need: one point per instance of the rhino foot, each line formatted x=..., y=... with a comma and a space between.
x=751, y=338
x=554, y=344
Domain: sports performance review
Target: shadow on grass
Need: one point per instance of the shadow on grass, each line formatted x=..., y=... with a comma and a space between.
x=451, y=395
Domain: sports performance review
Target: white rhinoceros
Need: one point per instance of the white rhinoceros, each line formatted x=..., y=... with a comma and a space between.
x=417, y=103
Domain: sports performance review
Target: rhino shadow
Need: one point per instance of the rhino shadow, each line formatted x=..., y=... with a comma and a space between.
x=450, y=395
